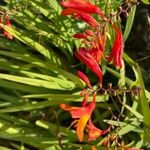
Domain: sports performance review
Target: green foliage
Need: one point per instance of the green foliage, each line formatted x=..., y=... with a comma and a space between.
x=37, y=73
x=146, y=2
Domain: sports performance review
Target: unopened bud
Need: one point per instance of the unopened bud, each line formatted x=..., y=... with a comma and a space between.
x=114, y=92
x=105, y=92
x=120, y=8
x=126, y=14
x=110, y=86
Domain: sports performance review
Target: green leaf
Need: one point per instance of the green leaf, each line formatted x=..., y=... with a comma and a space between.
x=122, y=76
x=55, y=5
x=54, y=96
x=146, y=135
x=55, y=35
x=23, y=87
x=55, y=83
x=31, y=136
x=130, y=127
x=71, y=135
x=31, y=106
x=134, y=112
x=25, y=38
x=4, y=148
x=67, y=97
x=129, y=22
x=143, y=97
x=146, y=2
x=39, y=63
x=126, y=126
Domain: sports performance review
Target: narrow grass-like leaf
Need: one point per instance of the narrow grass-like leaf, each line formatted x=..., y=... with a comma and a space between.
x=134, y=112
x=34, y=44
x=35, y=61
x=130, y=127
x=67, y=97
x=30, y=136
x=53, y=129
x=4, y=148
x=31, y=106
x=129, y=23
x=38, y=82
x=55, y=5
x=54, y=96
x=146, y=2
x=143, y=97
x=55, y=36
x=126, y=127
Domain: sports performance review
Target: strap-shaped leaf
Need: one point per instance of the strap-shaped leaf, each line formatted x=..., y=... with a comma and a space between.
x=129, y=23
x=23, y=37
x=55, y=84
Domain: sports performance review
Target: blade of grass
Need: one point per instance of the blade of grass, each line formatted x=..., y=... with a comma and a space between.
x=129, y=23
x=23, y=37
x=39, y=82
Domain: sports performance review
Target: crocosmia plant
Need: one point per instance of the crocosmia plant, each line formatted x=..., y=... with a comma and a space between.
x=74, y=75
x=91, y=53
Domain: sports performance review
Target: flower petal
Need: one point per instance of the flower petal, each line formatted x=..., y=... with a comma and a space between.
x=89, y=32
x=68, y=107
x=94, y=148
x=6, y=33
x=76, y=112
x=84, y=56
x=87, y=18
x=117, y=49
x=81, y=125
x=83, y=6
x=69, y=11
x=84, y=78
x=80, y=36
x=134, y=149
x=1, y=21
x=94, y=132
x=97, y=54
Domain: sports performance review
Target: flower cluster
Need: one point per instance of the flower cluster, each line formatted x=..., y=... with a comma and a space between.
x=82, y=116
x=91, y=54
x=7, y=23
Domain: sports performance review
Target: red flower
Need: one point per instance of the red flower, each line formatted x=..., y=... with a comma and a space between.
x=86, y=35
x=94, y=132
x=82, y=115
x=80, y=15
x=80, y=36
x=84, y=78
x=98, y=44
x=101, y=39
x=117, y=49
x=95, y=40
x=84, y=101
x=8, y=24
x=87, y=18
x=83, y=6
x=133, y=149
x=84, y=56
x=93, y=147
x=69, y=11
x=89, y=32
x=1, y=21
x=97, y=54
